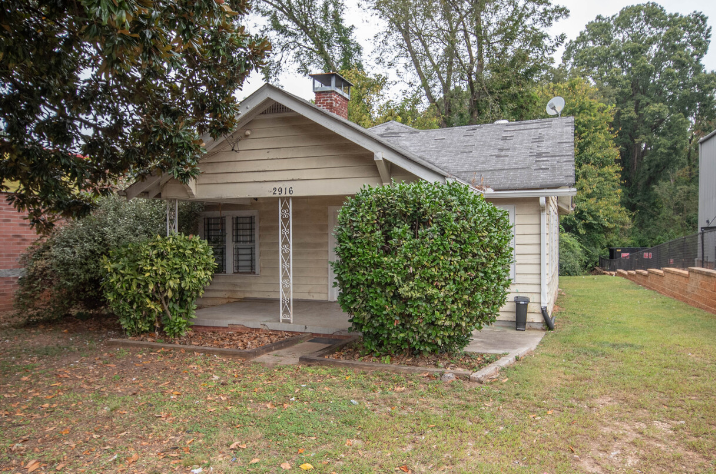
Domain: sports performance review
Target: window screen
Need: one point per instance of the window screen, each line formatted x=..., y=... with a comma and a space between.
x=215, y=235
x=244, y=236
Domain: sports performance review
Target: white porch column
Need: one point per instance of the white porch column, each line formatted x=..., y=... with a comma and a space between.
x=285, y=252
x=172, y=216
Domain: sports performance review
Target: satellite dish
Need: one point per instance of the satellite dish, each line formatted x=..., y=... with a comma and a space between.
x=555, y=106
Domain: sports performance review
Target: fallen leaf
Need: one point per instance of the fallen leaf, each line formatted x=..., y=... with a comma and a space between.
x=60, y=466
x=349, y=443
x=176, y=393
x=285, y=466
x=549, y=412
x=134, y=458
x=254, y=461
x=32, y=465
x=270, y=405
x=572, y=449
x=190, y=441
x=300, y=451
x=237, y=444
x=404, y=468
x=306, y=467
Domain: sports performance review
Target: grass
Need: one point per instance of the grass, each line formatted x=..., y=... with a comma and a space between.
x=625, y=384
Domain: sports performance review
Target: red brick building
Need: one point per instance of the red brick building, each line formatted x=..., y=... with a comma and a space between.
x=15, y=236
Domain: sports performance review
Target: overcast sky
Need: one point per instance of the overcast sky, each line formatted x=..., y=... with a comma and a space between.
x=581, y=13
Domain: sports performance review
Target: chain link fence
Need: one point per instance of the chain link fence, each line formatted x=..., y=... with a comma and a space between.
x=695, y=250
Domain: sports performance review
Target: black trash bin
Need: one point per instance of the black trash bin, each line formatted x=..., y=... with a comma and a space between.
x=521, y=303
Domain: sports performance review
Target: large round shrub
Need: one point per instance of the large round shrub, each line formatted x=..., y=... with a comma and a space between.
x=154, y=284
x=420, y=266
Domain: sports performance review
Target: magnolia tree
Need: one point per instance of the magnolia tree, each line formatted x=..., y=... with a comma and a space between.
x=421, y=266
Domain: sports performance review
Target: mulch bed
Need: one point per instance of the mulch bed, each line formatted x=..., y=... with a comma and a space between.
x=241, y=340
x=465, y=361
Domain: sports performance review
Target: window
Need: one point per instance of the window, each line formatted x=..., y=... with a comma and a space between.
x=511, y=211
x=215, y=235
x=244, y=244
x=234, y=237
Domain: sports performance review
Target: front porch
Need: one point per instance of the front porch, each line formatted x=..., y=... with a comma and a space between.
x=318, y=317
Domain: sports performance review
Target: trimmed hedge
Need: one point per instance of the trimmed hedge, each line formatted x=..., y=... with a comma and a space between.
x=421, y=266
x=154, y=284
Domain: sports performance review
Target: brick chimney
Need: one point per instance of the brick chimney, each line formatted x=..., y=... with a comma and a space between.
x=333, y=92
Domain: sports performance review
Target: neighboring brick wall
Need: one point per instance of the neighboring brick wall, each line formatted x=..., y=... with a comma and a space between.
x=697, y=286
x=15, y=236
x=333, y=102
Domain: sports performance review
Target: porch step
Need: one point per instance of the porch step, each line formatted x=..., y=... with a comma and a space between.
x=272, y=325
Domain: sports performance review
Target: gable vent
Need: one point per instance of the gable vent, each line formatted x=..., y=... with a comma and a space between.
x=276, y=109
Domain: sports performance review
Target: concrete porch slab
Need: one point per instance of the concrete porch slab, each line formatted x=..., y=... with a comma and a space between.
x=501, y=340
x=318, y=317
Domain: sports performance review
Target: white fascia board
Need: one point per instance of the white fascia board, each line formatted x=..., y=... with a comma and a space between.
x=250, y=108
x=139, y=187
x=531, y=193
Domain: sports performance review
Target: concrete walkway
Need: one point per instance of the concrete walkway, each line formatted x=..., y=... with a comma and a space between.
x=290, y=355
x=501, y=340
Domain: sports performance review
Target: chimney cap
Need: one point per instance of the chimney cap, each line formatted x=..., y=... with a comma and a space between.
x=331, y=81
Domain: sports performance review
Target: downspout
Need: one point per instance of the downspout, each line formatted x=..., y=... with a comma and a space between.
x=543, y=262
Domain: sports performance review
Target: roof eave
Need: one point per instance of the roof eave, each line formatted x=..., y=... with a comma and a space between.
x=527, y=193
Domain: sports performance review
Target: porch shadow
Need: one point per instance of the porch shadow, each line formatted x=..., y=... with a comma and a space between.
x=318, y=317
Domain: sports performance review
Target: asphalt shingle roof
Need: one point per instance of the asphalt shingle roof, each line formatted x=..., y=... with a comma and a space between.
x=532, y=154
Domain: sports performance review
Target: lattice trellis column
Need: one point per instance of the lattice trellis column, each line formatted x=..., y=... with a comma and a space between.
x=172, y=216
x=285, y=251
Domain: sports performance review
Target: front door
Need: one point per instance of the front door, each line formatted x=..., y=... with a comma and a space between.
x=332, y=221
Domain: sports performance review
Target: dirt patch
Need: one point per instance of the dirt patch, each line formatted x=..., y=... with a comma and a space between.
x=241, y=340
x=466, y=361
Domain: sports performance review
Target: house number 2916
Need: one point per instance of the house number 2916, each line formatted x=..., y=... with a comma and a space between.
x=280, y=191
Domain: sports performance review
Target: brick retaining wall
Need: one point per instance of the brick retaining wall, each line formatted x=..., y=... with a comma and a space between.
x=696, y=287
x=15, y=236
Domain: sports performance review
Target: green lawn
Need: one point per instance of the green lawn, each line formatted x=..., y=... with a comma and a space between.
x=627, y=383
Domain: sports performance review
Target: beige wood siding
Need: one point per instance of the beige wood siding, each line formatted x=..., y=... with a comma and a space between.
x=285, y=152
x=310, y=252
x=310, y=228
x=527, y=258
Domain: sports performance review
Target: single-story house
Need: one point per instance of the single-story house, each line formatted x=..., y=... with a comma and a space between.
x=272, y=190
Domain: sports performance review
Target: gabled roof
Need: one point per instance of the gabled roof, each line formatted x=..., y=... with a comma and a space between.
x=265, y=96
x=532, y=154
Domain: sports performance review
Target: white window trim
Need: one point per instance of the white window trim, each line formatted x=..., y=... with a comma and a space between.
x=510, y=208
x=229, y=238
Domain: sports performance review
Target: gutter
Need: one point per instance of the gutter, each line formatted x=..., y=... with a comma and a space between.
x=531, y=193
x=543, y=262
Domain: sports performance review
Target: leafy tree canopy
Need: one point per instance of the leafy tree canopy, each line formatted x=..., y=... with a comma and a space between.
x=369, y=105
x=475, y=62
x=599, y=216
x=309, y=35
x=93, y=90
x=649, y=63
